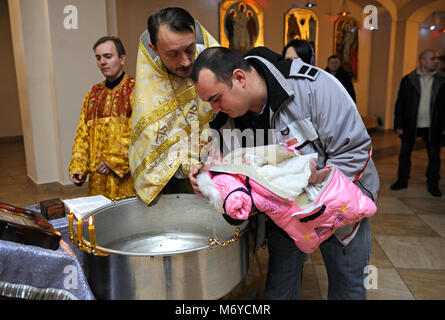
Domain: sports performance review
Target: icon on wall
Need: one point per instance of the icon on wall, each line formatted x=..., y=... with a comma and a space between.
x=301, y=24
x=346, y=43
x=241, y=25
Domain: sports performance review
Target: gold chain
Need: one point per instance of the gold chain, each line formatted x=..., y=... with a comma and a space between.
x=213, y=241
x=174, y=89
x=124, y=197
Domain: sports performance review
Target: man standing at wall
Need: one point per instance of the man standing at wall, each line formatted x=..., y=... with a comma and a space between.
x=419, y=113
x=334, y=68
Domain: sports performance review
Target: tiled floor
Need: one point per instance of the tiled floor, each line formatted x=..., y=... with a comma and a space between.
x=408, y=248
x=19, y=190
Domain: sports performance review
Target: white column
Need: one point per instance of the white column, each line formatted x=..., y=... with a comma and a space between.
x=111, y=18
x=403, y=57
x=410, y=54
x=31, y=43
x=55, y=68
x=75, y=69
x=361, y=86
x=389, y=109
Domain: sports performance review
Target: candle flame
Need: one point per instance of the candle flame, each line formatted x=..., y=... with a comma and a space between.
x=90, y=221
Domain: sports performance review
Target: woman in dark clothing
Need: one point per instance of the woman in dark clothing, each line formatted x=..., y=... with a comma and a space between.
x=299, y=49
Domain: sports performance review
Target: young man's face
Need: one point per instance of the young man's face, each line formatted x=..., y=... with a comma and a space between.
x=176, y=50
x=108, y=61
x=231, y=101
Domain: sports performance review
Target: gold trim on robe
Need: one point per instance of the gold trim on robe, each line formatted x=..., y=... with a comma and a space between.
x=165, y=131
x=103, y=134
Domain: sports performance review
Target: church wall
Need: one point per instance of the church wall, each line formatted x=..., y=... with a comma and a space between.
x=55, y=68
x=58, y=67
x=379, y=67
x=74, y=65
x=10, y=125
x=33, y=60
x=431, y=40
x=132, y=18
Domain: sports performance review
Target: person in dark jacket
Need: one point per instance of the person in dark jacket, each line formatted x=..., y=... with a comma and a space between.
x=334, y=68
x=420, y=112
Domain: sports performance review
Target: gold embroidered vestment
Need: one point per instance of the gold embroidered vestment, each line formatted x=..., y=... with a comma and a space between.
x=103, y=134
x=168, y=117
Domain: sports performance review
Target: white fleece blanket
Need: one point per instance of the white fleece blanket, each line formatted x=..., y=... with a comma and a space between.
x=285, y=170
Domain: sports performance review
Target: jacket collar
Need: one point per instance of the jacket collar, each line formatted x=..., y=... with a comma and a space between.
x=438, y=76
x=278, y=90
x=420, y=73
x=414, y=79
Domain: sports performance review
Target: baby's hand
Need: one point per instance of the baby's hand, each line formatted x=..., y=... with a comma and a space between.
x=318, y=176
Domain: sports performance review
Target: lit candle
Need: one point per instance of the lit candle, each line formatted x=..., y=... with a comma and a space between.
x=91, y=230
x=70, y=219
x=79, y=229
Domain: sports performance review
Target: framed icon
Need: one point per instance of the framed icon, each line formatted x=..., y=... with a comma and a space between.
x=346, y=43
x=301, y=24
x=241, y=25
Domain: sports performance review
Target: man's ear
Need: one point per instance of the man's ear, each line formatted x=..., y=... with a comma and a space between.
x=123, y=59
x=152, y=47
x=239, y=76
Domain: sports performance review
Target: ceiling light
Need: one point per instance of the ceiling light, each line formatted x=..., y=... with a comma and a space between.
x=345, y=11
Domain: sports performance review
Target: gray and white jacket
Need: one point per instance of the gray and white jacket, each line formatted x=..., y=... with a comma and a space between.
x=310, y=110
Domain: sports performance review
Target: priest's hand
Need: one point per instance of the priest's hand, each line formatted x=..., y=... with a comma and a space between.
x=213, y=157
x=200, y=168
x=77, y=179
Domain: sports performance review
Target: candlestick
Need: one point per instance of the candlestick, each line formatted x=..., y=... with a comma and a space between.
x=70, y=219
x=79, y=230
x=92, y=232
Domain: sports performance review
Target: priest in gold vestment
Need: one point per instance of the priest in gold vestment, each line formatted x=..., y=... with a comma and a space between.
x=100, y=147
x=169, y=119
x=170, y=123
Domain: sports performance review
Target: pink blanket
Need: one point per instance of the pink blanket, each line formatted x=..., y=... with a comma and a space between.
x=340, y=203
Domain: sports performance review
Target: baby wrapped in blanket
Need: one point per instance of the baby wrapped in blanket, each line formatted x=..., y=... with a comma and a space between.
x=274, y=180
